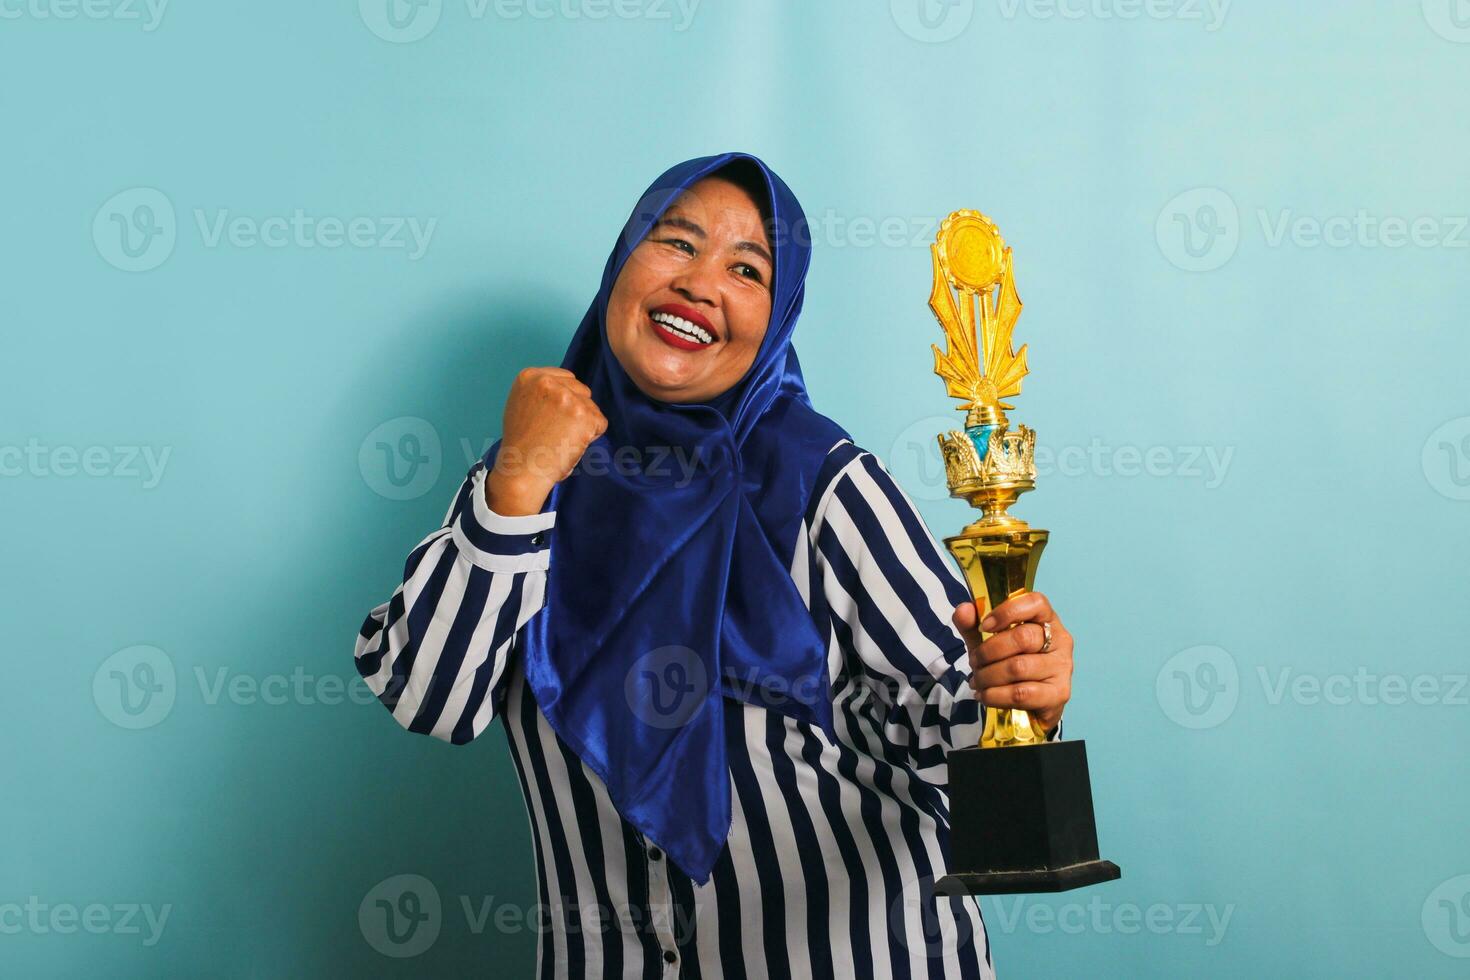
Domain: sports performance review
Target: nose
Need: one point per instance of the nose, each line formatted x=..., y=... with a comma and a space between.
x=696, y=281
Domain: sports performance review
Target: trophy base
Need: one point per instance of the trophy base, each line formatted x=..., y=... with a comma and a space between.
x=1028, y=882
x=1042, y=838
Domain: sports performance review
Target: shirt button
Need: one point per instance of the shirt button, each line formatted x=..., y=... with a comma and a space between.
x=654, y=854
x=670, y=956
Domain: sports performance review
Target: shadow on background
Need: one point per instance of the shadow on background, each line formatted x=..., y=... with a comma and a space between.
x=340, y=797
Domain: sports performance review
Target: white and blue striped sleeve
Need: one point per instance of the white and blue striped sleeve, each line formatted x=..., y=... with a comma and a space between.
x=436, y=653
x=892, y=591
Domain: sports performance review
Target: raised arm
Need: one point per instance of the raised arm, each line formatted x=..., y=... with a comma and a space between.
x=436, y=653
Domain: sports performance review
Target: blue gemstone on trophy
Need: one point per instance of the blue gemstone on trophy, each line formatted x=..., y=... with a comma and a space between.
x=980, y=436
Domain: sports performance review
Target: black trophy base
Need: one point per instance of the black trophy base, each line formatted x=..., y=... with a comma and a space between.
x=1021, y=820
x=1028, y=882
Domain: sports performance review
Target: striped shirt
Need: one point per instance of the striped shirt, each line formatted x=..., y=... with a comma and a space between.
x=833, y=847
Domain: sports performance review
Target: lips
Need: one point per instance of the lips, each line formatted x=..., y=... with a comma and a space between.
x=674, y=338
x=674, y=321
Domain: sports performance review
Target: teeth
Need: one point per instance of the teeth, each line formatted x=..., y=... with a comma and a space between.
x=683, y=326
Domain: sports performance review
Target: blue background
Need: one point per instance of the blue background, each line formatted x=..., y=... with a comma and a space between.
x=1142, y=167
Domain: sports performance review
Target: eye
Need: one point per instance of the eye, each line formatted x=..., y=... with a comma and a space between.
x=749, y=271
x=678, y=243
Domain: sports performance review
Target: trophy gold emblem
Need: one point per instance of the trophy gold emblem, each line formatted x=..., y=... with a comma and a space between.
x=1021, y=816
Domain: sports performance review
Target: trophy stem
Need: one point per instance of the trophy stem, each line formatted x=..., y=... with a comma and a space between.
x=999, y=562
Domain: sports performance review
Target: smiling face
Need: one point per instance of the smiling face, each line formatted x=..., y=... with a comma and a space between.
x=690, y=307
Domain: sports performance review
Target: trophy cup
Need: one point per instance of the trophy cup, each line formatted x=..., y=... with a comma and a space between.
x=1020, y=807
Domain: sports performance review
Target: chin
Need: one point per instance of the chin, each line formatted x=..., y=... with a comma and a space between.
x=665, y=393
x=659, y=371
x=668, y=383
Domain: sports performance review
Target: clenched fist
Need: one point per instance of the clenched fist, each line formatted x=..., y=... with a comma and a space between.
x=550, y=420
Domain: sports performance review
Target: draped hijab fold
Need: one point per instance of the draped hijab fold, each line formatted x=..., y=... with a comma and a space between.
x=669, y=587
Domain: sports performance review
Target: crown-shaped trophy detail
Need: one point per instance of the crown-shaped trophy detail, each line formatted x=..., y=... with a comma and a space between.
x=975, y=299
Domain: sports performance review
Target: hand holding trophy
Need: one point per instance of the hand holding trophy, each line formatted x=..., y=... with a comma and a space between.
x=1021, y=815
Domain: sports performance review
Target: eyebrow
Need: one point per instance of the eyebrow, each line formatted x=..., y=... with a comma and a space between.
x=676, y=221
x=757, y=249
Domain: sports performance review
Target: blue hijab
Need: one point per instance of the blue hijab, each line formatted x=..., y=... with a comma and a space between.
x=669, y=587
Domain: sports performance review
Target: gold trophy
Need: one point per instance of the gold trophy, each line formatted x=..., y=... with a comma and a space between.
x=1021, y=815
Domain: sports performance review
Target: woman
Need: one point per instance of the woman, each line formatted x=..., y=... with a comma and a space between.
x=729, y=656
